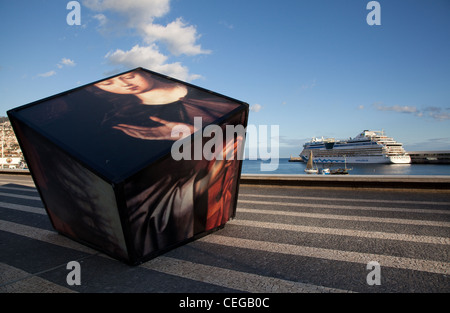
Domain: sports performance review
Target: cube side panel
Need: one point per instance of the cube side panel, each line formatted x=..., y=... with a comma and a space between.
x=171, y=202
x=80, y=205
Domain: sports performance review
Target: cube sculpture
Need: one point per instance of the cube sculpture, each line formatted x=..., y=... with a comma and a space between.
x=136, y=164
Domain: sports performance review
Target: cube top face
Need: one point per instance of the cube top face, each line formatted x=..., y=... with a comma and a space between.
x=119, y=125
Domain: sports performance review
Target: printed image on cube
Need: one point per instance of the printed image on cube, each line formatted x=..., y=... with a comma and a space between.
x=113, y=173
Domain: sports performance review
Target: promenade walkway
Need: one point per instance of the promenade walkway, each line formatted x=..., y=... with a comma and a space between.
x=289, y=239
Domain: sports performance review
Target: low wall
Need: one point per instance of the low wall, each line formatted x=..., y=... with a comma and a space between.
x=14, y=171
x=348, y=181
x=351, y=181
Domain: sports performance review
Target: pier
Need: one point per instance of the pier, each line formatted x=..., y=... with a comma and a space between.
x=430, y=157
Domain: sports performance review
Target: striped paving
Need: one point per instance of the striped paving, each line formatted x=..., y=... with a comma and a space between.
x=14, y=280
x=343, y=207
x=275, y=196
x=277, y=243
x=332, y=254
x=347, y=217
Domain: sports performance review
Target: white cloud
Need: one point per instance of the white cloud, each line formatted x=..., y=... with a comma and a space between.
x=66, y=62
x=149, y=57
x=101, y=18
x=136, y=11
x=47, y=74
x=226, y=24
x=256, y=107
x=436, y=113
x=396, y=108
x=442, y=143
x=178, y=36
x=138, y=15
x=60, y=65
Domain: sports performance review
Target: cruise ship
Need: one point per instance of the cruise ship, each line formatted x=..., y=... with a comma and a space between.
x=367, y=147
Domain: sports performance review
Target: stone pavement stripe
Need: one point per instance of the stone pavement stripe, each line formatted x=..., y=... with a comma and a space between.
x=14, y=280
x=330, y=254
x=214, y=275
x=232, y=279
x=346, y=217
x=37, y=210
x=44, y=235
x=243, y=194
x=12, y=195
x=18, y=188
x=23, y=208
x=343, y=232
x=27, y=183
x=343, y=207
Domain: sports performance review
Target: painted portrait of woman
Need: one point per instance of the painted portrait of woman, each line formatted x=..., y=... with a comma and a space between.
x=120, y=128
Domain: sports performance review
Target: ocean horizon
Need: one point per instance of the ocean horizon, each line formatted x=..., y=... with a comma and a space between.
x=283, y=166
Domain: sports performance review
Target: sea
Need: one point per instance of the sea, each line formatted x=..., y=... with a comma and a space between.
x=286, y=167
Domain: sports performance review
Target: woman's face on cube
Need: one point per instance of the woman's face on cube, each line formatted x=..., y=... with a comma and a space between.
x=131, y=83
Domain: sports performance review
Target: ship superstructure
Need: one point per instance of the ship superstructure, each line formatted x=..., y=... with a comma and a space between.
x=367, y=147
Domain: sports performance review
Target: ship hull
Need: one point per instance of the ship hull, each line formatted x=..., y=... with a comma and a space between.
x=403, y=159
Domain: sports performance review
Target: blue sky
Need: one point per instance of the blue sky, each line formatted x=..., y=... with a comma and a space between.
x=313, y=67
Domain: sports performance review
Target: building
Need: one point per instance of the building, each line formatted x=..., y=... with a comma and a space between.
x=11, y=154
x=430, y=157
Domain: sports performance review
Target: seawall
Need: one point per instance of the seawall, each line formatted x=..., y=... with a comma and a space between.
x=423, y=182
x=351, y=181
